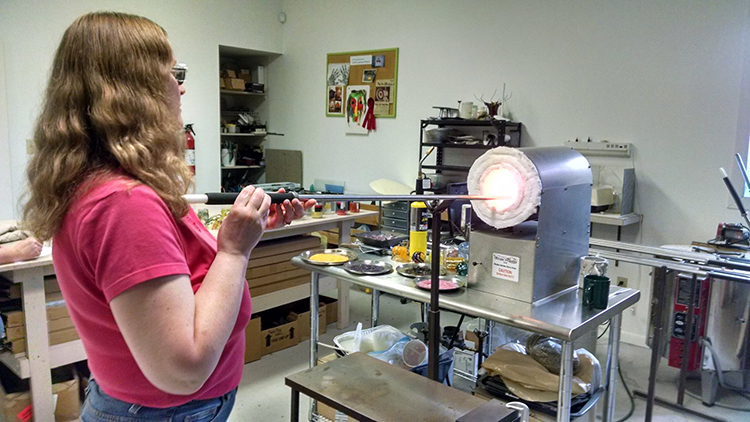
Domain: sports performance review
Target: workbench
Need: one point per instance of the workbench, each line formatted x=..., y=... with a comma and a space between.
x=562, y=316
x=41, y=357
x=369, y=390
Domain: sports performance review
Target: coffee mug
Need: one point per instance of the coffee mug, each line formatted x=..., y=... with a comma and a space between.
x=595, y=291
x=522, y=408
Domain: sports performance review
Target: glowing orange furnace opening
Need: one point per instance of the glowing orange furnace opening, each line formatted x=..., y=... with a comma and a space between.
x=505, y=182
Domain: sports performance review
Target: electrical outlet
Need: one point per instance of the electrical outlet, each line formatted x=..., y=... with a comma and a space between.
x=29, y=146
x=622, y=282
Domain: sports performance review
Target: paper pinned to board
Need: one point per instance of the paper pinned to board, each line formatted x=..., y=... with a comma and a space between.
x=364, y=60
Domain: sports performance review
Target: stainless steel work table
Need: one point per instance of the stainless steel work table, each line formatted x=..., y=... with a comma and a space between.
x=368, y=389
x=562, y=317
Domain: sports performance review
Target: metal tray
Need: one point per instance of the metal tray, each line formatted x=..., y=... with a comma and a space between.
x=392, y=240
x=305, y=256
x=414, y=270
x=378, y=267
x=459, y=283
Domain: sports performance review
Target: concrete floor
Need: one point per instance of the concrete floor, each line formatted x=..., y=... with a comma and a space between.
x=263, y=396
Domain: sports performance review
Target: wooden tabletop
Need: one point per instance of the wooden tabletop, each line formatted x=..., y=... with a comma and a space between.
x=371, y=390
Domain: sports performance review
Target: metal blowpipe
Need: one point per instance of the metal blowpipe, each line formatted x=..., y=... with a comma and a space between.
x=224, y=198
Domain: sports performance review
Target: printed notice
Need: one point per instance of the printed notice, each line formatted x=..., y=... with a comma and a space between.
x=505, y=267
x=360, y=60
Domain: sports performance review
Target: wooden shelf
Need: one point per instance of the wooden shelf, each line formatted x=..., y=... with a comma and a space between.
x=59, y=355
x=241, y=167
x=249, y=135
x=230, y=92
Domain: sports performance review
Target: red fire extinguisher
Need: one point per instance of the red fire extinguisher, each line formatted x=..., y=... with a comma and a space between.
x=190, y=147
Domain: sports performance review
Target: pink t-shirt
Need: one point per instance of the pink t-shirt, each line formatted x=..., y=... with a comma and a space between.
x=112, y=238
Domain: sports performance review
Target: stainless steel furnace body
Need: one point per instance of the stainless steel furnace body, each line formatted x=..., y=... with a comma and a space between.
x=539, y=257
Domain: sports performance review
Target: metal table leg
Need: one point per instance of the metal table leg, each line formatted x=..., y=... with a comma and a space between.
x=566, y=383
x=658, y=304
x=295, y=406
x=613, y=350
x=314, y=323
x=375, y=307
x=490, y=328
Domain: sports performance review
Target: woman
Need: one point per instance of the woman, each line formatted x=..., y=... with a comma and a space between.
x=160, y=305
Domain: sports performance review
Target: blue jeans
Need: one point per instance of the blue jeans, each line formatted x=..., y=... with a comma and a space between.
x=99, y=407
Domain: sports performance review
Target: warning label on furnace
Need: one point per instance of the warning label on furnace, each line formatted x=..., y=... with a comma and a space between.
x=505, y=267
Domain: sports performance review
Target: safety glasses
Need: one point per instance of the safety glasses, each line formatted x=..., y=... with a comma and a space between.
x=179, y=71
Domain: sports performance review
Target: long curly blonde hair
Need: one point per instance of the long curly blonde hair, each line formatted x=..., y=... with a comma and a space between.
x=106, y=111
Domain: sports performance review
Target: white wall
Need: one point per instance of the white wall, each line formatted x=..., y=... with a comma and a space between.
x=664, y=75
x=31, y=30
x=6, y=212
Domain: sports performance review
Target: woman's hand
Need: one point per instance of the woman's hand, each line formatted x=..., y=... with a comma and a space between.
x=243, y=226
x=284, y=214
x=26, y=249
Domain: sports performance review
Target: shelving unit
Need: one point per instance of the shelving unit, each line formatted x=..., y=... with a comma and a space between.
x=59, y=355
x=232, y=104
x=499, y=127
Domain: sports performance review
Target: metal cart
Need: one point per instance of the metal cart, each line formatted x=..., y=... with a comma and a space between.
x=562, y=316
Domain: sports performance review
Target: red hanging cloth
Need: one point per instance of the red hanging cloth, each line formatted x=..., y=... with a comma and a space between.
x=369, y=122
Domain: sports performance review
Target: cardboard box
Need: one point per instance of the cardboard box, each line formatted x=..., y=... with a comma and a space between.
x=14, y=406
x=15, y=333
x=245, y=75
x=253, y=350
x=333, y=415
x=14, y=291
x=229, y=73
x=57, y=337
x=279, y=338
x=234, y=84
x=56, y=309
x=222, y=85
x=13, y=318
x=269, y=269
x=288, y=244
x=278, y=277
x=51, y=285
x=303, y=323
x=275, y=259
x=332, y=308
x=19, y=331
x=63, y=336
x=59, y=324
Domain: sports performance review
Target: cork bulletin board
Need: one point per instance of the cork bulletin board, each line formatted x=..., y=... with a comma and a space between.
x=375, y=69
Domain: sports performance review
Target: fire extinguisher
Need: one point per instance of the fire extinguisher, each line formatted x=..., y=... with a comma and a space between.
x=190, y=147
